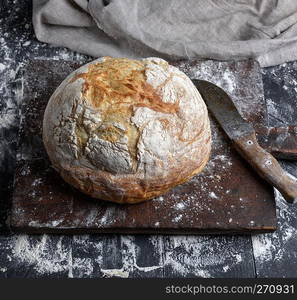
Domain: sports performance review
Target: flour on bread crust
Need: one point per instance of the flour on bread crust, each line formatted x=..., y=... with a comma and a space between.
x=126, y=130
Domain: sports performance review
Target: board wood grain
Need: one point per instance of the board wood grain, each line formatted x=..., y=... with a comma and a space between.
x=227, y=197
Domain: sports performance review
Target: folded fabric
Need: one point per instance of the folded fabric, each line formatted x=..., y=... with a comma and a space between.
x=265, y=30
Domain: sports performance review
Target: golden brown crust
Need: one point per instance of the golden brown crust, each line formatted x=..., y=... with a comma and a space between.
x=126, y=130
x=136, y=191
x=115, y=80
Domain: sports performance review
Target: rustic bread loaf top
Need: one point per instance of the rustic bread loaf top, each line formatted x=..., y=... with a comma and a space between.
x=126, y=130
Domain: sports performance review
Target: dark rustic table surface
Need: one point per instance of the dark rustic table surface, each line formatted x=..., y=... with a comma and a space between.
x=263, y=255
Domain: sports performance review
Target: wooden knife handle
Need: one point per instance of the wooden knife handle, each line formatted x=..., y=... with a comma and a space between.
x=267, y=166
x=281, y=142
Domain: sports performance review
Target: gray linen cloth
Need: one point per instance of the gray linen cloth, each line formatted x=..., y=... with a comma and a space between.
x=265, y=30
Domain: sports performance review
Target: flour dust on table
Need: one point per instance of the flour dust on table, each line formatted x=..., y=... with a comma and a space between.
x=53, y=255
x=178, y=255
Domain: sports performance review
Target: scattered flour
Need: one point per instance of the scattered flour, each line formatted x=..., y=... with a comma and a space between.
x=188, y=255
x=198, y=255
x=226, y=268
x=3, y=270
x=213, y=195
x=159, y=199
x=183, y=255
x=177, y=219
x=37, y=181
x=37, y=254
x=26, y=44
x=229, y=81
x=2, y=67
x=180, y=206
x=262, y=248
x=7, y=120
x=115, y=273
x=273, y=247
x=238, y=258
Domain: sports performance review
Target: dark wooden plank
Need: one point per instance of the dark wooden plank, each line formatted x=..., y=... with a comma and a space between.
x=216, y=201
x=275, y=253
x=34, y=256
x=149, y=260
x=208, y=256
x=86, y=256
x=112, y=252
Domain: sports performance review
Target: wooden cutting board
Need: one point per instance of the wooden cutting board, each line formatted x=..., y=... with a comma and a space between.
x=227, y=197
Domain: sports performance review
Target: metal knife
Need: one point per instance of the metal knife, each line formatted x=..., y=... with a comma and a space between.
x=243, y=136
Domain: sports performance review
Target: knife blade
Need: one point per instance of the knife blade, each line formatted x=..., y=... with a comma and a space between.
x=279, y=141
x=243, y=136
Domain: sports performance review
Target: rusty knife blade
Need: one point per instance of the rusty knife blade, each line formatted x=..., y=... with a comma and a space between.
x=281, y=142
x=223, y=109
x=244, y=138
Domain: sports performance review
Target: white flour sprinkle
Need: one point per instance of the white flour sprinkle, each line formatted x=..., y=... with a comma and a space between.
x=49, y=255
x=177, y=219
x=229, y=81
x=289, y=233
x=213, y=195
x=262, y=248
x=273, y=246
x=159, y=199
x=7, y=120
x=37, y=181
x=38, y=254
x=115, y=273
x=226, y=268
x=3, y=270
x=185, y=255
x=26, y=43
x=238, y=258
x=2, y=67
x=180, y=206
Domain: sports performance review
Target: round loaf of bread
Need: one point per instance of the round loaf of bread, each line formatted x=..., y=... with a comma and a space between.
x=127, y=130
